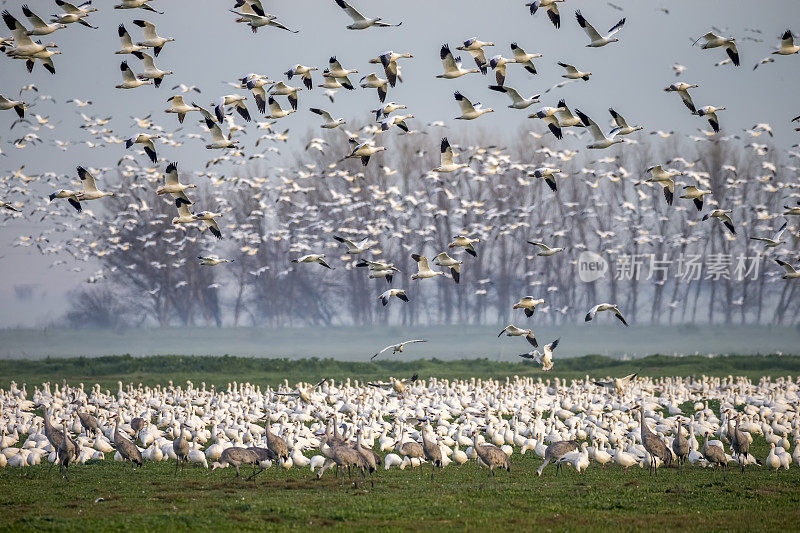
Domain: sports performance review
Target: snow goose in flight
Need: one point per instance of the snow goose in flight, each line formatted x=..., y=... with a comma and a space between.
x=210, y=219
x=566, y=119
x=397, y=120
x=73, y=13
x=212, y=260
x=151, y=72
x=545, y=251
x=618, y=384
x=549, y=176
x=360, y=22
x=573, y=73
x=683, y=91
x=787, y=44
x=475, y=49
x=179, y=107
x=17, y=105
x=713, y=41
x=775, y=241
x=354, y=248
x=237, y=100
x=129, y=79
x=528, y=304
x=147, y=144
x=363, y=150
x=218, y=139
x=253, y=15
x=447, y=164
x=372, y=81
x=724, y=216
x=622, y=124
x=545, y=359
x=551, y=6
x=710, y=112
x=174, y=187
x=330, y=123
x=9, y=206
x=275, y=109
x=23, y=45
x=313, y=258
x=444, y=260
x=462, y=241
x=134, y=4
x=338, y=73
x=791, y=272
x=452, y=65
x=423, y=270
x=605, y=307
x=547, y=114
x=498, y=64
x=150, y=38
x=127, y=43
x=597, y=40
x=40, y=27
x=386, y=296
x=304, y=73
x=71, y=198
x=691, y=192
x=513, y=331
x=468, y=110
x=396, y=348
x=791, y=210
x=523, y=58
x=386, y=110
x=389, y=62
x=281, y=89
x=601, y=141
x=184, y=216
x=90, y=190
x=664, y=178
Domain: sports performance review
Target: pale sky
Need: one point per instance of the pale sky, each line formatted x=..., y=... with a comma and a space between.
x=210, y=47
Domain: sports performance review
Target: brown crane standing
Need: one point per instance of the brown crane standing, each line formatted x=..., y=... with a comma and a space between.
x=126, y=448
x=431, y=451
x=715, y=455
x=679, y=444
x=369, y=456
x=556, y=451
x=740, y=443
x=181, y=448
x=237, y=457
x=276, y=442
x=654, y=446
x=491, y=455
x=262, y=455
x=54, y=435
x=342, y=456
x=67, y=452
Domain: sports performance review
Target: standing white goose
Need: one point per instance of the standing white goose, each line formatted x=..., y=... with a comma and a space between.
x=614, y=308
x=452, y=65
x=151, y=39
x=360, y=22
x=601, y=141
x=517, y=101
x=447, y=164
x=597, y=40
x=523, y=58
x=173, y=186
x=475, y=49
x=423, y=269
x=468, y=110
x=713, y=41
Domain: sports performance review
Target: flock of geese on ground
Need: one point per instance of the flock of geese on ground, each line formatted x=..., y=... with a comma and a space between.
x=365, y=426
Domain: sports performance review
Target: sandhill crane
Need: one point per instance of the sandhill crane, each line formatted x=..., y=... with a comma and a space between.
x=679, y=444
x=341, y=456
x=181, y=448
x=370, y=458
x=126, y=448
x=556, y=451
x=431, y=450
x=410, y=449
x=67, y=452
x=238, y=456
x=263, y=455
x=740, y=442
x=715, y=455
x=654, y=446
x=490, y=455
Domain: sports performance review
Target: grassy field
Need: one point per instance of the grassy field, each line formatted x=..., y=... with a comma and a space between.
x=459, y=498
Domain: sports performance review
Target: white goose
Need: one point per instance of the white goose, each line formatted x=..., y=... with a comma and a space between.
x=775, y=241
x=528, y=304
x=151, y=39
x=151, y=72
x=276, y=111
x=713, y=41
x=683, y=91
x=447, y=164
x=551, y=6
x=498, y=64
x=513, y=331
x=710, y=113
x=791, y=272
x=614, y=308
x=544, y=250
x=174, y=187
x=330, y=122
x=548, y=174
x=601, y=141
x=546, y=358
x=127, y=46
x=597, y=40
x=255, y=17
x=146, y=141
x=360, y=22
x=787, y=47
x=372, y=81
x=209, y=218
x=363, y=151
x=691, y=192
x=664, y=178
x=218, y=139
x=724, y=216
x=452, y=65
x=90, y=190
x=17, y=105
x=236, y=100
x=548, y=115
x=40, y=27
x=573, y=73
x=73, y=13
x=304, y=73
x=339, y=74
x=387, y=295
x=390, y=67
x=523, y=58
x=313, y=258
x=468, y=110
x=281, y=89
x=423, y=269
x=444, y=260
x=129, y=79
x=475, y=49
x=622, y=124
x=134, y=4
x=179, y=107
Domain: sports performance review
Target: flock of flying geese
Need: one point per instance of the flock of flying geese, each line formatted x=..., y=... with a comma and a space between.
x=359, y=426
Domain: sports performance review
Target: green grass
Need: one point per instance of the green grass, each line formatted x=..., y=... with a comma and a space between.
x=221, y=370
x=459, y=498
